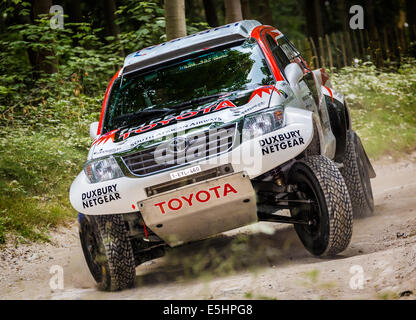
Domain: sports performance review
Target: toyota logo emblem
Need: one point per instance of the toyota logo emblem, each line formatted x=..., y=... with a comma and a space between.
x=178, y=144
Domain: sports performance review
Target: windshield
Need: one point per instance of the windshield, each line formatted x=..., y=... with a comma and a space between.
x=207, y=75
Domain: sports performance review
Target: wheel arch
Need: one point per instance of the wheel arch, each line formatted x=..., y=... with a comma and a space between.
x=339, y=120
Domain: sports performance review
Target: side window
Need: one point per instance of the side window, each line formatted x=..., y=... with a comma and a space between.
x=278, y=54
x=310, y=82
x=293, y=55
x=290, y=51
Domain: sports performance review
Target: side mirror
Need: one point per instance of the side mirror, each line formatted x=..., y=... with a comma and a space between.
x=93, y=130
x=294, y=74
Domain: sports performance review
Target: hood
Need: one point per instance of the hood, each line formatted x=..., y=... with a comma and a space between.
x=227, y=108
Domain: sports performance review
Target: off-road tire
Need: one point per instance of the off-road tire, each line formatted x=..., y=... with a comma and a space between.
x=113, y=267
x=356, y=175
x=333, y=212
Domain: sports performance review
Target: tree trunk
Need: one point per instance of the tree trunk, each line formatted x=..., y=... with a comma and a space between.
x=2, y=25
x=318, y=18
x=314, y=26
x=74, y=10
x=411, y=18
x=112, y=27
x=245, y=8
x=41, y=7
x=211, y=13
x=109, y=9
x=41, y=62
x=313, y=19
x=310, y=19
x=175, y=19
x=24, y=19
x=343, y=14
x=401, y=19
x=233, y=11
x=369, y=15
x=265, y=12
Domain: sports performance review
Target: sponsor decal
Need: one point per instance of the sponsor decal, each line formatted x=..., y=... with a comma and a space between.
x=173, y=129
x=245, y=110
x=184, y=116
x=281, y=141
x=281, y=93
x=267, y=90
x=104, y=151
x=208, y=58
x=201, y=196
x=172, y=124
x=100, y=196
x=105, y=137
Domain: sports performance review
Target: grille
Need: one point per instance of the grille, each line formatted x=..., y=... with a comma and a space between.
x=194, y=178
x=164, y=156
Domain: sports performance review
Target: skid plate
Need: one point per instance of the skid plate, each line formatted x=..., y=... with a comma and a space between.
x=201, y=210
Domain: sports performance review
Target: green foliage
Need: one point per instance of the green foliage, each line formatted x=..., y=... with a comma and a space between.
x=45, y=118
x=194, y=27
x=84, y=65
x=144, y=23
x=36, y=170
x=382, y=104
x=84, y=61
x=37, y=165
x=45, y=121
x=288, y=18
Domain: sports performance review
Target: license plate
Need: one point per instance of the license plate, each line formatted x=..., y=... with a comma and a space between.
x=185, y=172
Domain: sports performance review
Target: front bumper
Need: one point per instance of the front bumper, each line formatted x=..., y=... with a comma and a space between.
x=253, y=157
x=201, y=210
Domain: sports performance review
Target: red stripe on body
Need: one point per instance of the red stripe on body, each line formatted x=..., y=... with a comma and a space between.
x=107, y=92
x=145, y=231
x=330, y=92
x=256, y=34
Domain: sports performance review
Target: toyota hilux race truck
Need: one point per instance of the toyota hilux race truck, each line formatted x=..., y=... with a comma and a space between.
x=211, y=132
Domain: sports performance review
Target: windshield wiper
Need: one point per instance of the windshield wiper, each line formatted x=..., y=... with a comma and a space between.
x=149, y=111
x=142, y=113
x=197, y=100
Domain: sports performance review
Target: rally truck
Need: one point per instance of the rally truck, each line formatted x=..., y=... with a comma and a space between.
x=211, y=132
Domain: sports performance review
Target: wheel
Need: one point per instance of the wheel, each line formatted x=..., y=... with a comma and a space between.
x=356, y=175
x=330, y=213
x=108, y=252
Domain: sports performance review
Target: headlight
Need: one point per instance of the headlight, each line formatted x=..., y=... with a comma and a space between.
x=258, y=124
x=102, y=170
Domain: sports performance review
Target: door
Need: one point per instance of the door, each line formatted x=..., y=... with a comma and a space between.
x=307, y=94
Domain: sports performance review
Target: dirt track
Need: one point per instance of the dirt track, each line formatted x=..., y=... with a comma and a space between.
x=259, y=262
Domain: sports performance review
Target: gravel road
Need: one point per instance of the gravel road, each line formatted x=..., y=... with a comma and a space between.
x=262, y=261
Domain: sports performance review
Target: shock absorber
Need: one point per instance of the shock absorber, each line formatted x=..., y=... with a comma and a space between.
x=278, y=177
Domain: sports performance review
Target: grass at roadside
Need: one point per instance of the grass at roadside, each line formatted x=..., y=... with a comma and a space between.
x=383, y=106
x=40, y=156
x=36, y=170
x=42, y=152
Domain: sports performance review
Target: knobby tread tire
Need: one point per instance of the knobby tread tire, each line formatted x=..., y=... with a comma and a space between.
x=337, y=201
x=361, y=206
x=119, y=258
